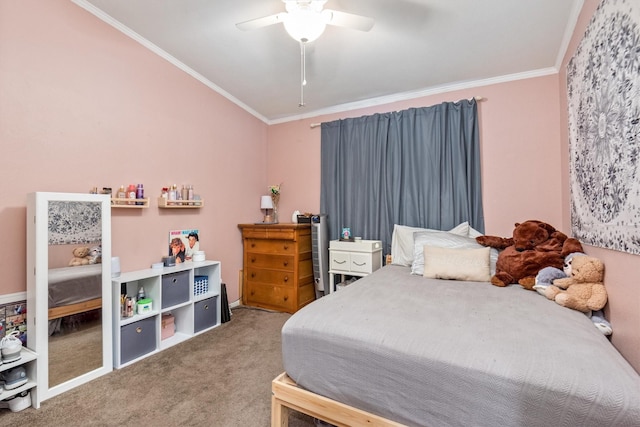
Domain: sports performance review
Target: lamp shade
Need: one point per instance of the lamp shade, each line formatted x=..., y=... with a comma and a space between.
x=266, y=202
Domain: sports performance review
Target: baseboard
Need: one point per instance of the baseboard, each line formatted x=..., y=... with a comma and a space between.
x=9, y=298
x=234, y=304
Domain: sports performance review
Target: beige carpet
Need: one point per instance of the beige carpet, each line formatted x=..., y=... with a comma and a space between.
x=219, y=378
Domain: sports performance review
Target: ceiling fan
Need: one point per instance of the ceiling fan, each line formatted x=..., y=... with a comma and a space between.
x=305, y=21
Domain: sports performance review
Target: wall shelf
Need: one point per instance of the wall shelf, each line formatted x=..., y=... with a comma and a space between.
x=129, y=203
x=179, y=204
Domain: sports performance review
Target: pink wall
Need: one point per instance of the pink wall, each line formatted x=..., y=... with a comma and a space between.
x=82, y=105
x=622, y=269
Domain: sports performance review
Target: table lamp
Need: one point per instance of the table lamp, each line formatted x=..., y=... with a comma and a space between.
x=267, y=204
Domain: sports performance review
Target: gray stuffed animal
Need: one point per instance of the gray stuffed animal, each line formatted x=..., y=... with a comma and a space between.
x=547, y=275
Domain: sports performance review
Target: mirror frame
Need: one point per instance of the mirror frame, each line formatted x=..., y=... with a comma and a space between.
x=38, y=288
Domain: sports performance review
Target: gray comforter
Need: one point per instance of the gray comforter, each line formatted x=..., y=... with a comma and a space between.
x=449, y=353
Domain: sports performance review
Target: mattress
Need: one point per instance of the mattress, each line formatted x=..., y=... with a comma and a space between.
x=70, y=285
x=450, y=353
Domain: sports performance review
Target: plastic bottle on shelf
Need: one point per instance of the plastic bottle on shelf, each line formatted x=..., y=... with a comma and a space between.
x=121, y=194
x=141, y=294
x=184, y=193
x=172, y=195
x=190, y=194
x=139, y=193
x=131, y=193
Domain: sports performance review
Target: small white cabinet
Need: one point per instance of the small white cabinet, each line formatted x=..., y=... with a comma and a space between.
x=358, y=258
x=172, y=292
x=28, y=361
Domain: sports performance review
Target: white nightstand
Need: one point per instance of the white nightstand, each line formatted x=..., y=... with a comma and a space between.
x=359, y=258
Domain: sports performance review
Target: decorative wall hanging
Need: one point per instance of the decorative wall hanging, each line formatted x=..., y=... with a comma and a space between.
x=75, y=223
x=604, y=114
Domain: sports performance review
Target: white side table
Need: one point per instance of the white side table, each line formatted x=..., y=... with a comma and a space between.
x=359, y=258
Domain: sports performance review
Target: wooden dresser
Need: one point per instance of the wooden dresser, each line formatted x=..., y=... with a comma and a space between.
x=278, y=266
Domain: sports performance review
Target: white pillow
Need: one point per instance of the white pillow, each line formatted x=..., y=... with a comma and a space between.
x=402, y=241
x=457, y=264
x=441, y=239
x=493, y=257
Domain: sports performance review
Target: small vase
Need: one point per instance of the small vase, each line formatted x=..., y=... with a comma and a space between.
x=275, y=198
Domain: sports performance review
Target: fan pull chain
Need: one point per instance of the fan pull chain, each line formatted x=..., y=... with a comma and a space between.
x=303, y=70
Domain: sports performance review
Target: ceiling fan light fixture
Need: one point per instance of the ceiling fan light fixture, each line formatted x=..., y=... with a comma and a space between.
x=304, y=24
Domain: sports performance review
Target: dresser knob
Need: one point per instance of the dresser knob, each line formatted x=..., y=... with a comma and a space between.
x=253, y=259
x=252, y=292
x=285, y=263
x=286, y=247
x=253, y=275
x=286, y=279
x=286, y=297
x=253, y=245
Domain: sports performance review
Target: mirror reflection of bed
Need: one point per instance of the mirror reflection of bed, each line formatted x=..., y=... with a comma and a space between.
x=75, y=327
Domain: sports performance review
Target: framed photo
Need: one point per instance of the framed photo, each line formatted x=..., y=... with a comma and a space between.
x=182, y=244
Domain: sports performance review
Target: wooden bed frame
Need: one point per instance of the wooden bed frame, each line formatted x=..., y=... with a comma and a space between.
x=286, y=395
x=80, y=307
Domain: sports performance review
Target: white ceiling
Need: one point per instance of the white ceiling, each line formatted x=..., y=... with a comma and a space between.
x=415, y=48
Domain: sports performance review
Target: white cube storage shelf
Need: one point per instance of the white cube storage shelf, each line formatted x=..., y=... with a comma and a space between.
x=172, y=290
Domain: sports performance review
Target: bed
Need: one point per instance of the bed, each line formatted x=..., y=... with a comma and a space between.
x=396, y=348
x=73, y=290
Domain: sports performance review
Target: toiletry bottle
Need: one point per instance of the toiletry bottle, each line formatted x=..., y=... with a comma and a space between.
x=190, y=193
x=139, y=193
x=141, y=294
x=131, y=193
x=172, y=195
x=184, y=193
x=122, y=194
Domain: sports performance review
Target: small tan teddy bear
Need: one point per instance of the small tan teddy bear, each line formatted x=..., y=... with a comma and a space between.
x=584, y=289
x=80, y=256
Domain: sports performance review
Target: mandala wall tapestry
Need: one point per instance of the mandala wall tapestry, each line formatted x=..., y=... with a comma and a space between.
x=604, y=114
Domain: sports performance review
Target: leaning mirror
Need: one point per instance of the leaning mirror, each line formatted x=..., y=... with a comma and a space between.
x=69, y=288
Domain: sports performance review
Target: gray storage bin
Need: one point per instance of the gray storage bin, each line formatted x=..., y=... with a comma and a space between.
x=175, y=288
x=137, y=339
x=205, y=314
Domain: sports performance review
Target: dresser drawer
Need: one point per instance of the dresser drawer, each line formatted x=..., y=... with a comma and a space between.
x=281, y=247
x=275, y=277
x=276, y=262
x=268, y=296
x=137, y=339
x=175, y=288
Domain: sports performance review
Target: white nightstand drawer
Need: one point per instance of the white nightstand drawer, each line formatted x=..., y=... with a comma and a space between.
x=361, y=262
x=340, y=261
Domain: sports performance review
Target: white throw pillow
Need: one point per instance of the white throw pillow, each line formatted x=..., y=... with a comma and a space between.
x=441, y=239
x=402, y=241
x=457, y=264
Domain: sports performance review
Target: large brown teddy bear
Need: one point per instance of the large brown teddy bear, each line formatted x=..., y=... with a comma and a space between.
x=584, y=289
x=534, y=245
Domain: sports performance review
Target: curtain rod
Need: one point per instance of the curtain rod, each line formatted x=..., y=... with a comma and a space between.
x=315, y=125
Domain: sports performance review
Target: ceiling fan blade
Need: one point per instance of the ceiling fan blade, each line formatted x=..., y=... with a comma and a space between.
x=348, y=20
x=253, y=24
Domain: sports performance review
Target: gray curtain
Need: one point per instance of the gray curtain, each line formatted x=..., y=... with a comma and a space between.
x=418, y=167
